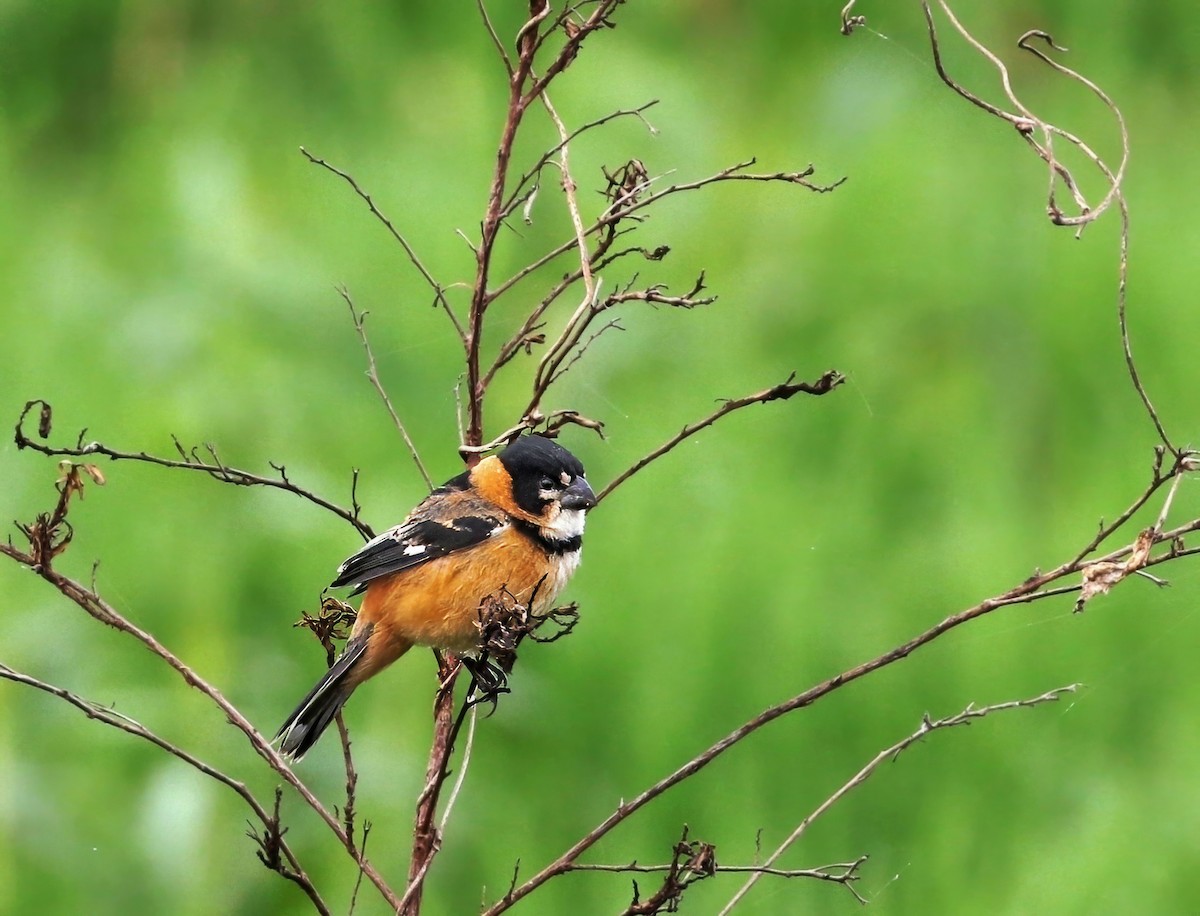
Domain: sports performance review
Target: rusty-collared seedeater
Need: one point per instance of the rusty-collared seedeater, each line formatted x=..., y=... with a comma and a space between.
x=513, y=523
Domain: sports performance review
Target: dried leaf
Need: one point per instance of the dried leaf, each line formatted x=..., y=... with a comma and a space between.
x=1100, y=577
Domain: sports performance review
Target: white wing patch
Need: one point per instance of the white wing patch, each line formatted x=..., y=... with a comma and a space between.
x=399, y=533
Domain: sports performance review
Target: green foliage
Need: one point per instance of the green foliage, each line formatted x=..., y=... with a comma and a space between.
x=170, y=262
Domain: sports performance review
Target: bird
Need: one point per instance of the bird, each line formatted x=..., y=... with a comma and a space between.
x=513, y=523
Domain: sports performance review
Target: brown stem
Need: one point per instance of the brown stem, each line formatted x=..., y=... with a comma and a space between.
x=426, y=838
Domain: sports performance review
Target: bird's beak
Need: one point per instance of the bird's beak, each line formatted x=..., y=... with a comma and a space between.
x=578, y=495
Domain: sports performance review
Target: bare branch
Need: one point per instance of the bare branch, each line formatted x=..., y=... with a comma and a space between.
x=190, y=461
x=928, y=726
x=780, y=392
x=625, y=207
x=844, y=873
x=1036, y=587
x=439, y=291
x=46, y=541
x=288, y=866
x=360, y=319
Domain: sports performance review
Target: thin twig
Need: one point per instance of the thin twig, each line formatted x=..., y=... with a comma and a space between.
x=927, y=727
x=101, y=610
x=359, y=319
x=1156, y=481
x=499, y=45
x=527, y=336
x=519, y=194
x=570, y=345
x=439, y=291
x=292, y=871
x=570, y=193
x=625, y=208
x=780, y=392
x=190, y=461
x=1126, y=345
x=366, y=833
x=837, y=873
x=1036, y=587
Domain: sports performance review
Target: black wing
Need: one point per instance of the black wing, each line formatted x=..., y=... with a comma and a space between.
x=417, y=541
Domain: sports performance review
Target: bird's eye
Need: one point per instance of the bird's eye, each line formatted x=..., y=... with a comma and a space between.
x=547, y=483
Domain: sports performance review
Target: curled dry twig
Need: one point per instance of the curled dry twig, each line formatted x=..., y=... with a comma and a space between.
x=1039, y=134
x=189, y=460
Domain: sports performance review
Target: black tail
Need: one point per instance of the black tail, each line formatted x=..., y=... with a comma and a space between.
x=306, y=723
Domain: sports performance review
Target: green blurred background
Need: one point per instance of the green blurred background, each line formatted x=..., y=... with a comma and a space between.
x=169, y=264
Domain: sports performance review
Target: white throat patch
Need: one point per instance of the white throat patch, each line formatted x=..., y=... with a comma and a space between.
x=567, y=524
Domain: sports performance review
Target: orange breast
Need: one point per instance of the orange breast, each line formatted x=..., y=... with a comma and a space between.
x=437, y=603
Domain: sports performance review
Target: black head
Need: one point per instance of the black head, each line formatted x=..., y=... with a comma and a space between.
x=542, y=471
